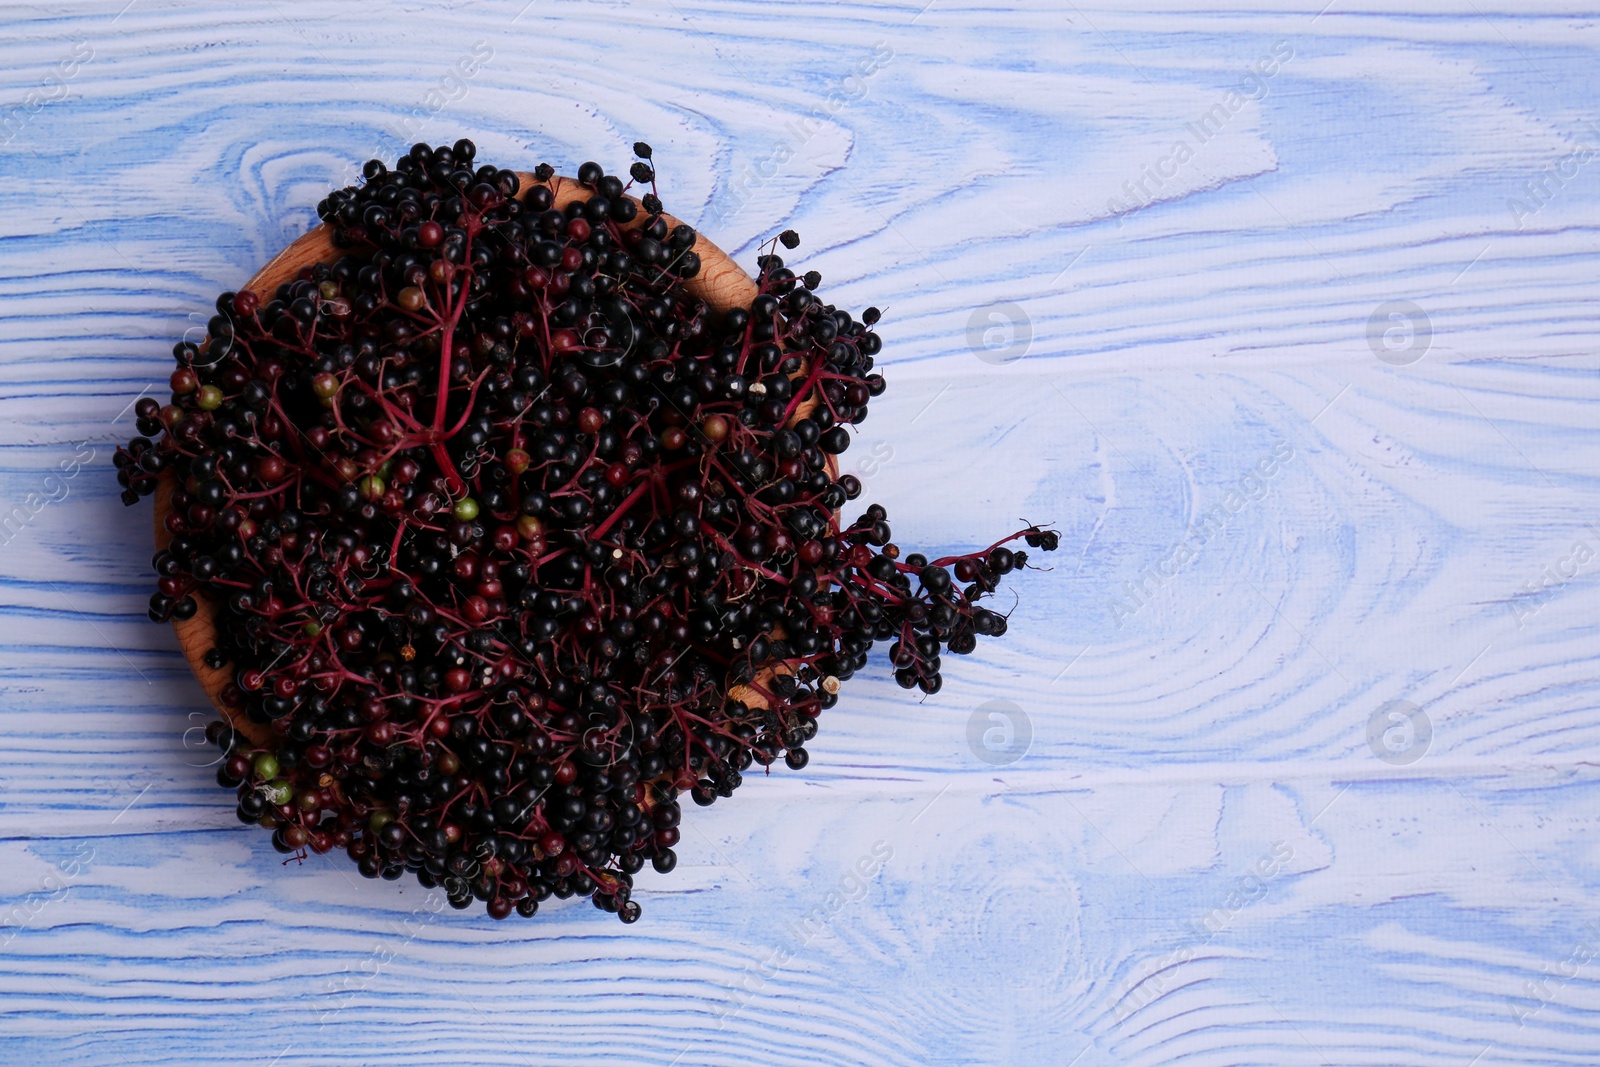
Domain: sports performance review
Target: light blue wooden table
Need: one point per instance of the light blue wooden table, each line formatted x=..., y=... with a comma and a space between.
x=1288, y=321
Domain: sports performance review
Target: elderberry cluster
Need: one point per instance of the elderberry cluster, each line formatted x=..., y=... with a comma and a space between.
x=509, y=538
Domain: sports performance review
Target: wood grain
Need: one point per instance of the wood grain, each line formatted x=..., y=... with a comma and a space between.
x=1199, y=856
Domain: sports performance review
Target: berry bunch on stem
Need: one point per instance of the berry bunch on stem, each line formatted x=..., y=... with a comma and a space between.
x=509, y=539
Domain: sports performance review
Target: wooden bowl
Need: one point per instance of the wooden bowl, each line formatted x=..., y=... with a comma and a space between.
x=720, y=283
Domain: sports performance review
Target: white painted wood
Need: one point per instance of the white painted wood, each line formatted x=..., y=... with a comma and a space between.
x=1199, y=859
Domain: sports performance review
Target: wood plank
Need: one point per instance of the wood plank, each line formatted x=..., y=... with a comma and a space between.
x=1199, y=857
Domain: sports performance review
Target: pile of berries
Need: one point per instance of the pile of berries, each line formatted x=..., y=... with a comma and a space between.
x=509, y=540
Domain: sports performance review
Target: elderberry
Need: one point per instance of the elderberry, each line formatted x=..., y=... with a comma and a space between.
x=509, y=539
